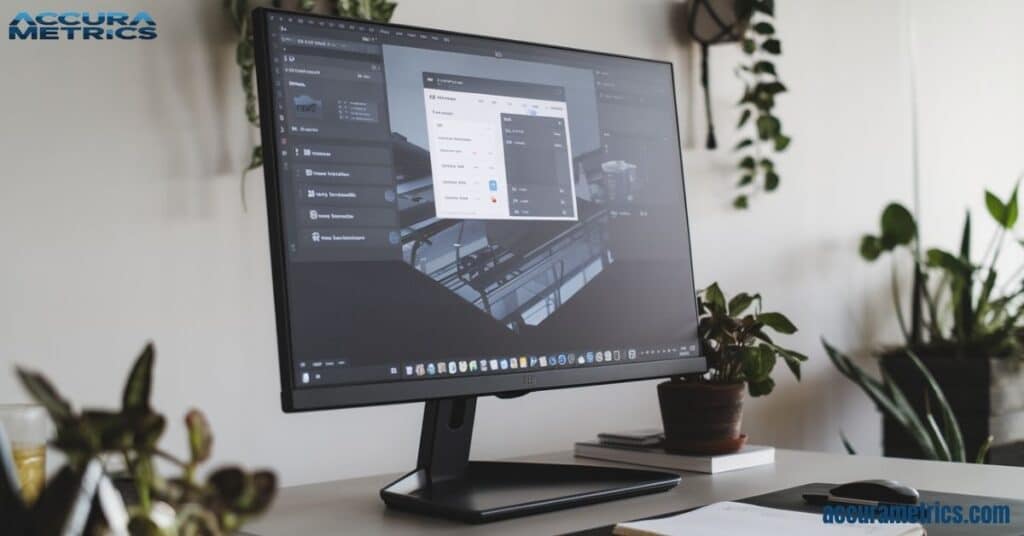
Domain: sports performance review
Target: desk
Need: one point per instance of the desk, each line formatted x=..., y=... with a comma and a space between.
x=353, y=506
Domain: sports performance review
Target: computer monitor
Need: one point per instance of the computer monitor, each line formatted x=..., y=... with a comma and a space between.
x=453, y=216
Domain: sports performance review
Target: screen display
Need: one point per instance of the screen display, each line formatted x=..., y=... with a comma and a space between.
x=457, y=206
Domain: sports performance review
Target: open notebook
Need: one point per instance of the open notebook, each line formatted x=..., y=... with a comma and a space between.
x=735, y=519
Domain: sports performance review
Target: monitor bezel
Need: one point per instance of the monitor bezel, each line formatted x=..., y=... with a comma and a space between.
x=404, y=391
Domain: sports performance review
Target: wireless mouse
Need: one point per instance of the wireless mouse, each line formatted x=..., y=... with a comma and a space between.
x=880, y=491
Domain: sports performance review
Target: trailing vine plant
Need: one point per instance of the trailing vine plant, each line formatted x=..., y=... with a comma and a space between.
x=763, y=135
x=245, y=57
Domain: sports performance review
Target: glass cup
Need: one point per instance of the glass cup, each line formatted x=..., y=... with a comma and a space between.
x=27, y=427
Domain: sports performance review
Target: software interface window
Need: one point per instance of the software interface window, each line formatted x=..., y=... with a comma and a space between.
x=498, y=149
x=524, y=191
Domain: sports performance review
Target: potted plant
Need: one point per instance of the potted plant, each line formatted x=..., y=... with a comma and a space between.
x=964, y=324
x=88, y=496
x=702, y=413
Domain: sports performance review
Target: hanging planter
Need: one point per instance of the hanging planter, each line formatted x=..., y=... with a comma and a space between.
x=750, y=23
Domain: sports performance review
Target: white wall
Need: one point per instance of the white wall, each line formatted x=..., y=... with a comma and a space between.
x=120, y=218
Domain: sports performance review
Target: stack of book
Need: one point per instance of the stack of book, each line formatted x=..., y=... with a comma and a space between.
x=643, y=447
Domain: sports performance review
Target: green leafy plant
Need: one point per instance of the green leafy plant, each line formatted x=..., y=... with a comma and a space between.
x=219, y=504
x=735, y=342
x=943, y=442
x=763, y=133
x=956, y=304
x=239, y=13
x=957, y=308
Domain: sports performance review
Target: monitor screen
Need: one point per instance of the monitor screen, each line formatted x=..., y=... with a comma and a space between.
x=455, y=215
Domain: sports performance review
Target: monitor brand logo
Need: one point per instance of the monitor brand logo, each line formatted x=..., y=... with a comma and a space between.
x=82, y=25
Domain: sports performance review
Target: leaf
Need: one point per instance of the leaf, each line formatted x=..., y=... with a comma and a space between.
x=761, y=388
x=778, y=322
x=767, y=126
x=1012, y=211
x=747, y=163
x=764, y=67
x=107, y=430
x=846, y=444
x=870, y=247
x=137, y=388
x=757, y=362
x=200, y=437
x=749, y=46
x=763, y=100
x=767, y=164
x=898, y=224
x=983, y=450
x=984, y=304
x=995, y=207
x=793, y=361
x=748, y=96
x=743, y=144
x=229, y=483
x=965, y=240
x=256, y=158
x=940, y=444
x=740, y=202
x=744, y=117
x=745, y=180
x=937, y=258
x=764, y=6
x=741, y=302
x=43, y=392
x=771, y=181
x=882, y=396
x=781, y=142
x=264, y=489
x=949, y=422
x=772, y=46
x=764, y=28
x=715, y=298
x=244, y=54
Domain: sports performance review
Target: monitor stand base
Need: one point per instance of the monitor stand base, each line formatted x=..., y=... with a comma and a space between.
x=447, y=484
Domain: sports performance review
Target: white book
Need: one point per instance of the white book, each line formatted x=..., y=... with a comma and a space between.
x=748, y=456
x=739, y=519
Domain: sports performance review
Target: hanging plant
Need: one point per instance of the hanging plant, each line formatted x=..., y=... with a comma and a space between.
x=245, y=57
x=750, y=23
x=762, y=128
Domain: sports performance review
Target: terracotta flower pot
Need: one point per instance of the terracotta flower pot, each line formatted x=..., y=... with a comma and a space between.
x=701, y=418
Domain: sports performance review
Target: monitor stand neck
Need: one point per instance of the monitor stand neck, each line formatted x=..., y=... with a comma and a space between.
x=446, y=484
x=446, y=437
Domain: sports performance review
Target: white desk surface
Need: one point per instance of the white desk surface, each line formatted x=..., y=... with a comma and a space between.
x=354, y=506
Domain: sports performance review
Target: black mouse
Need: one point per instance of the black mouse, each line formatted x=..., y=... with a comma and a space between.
x=882, y=491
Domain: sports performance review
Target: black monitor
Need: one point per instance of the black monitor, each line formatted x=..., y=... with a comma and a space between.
x=453, y=216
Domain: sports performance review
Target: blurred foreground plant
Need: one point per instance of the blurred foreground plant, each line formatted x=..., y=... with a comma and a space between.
x=156, y=505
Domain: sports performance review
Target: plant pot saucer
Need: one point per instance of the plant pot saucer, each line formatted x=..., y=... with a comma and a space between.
x=706, y=447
